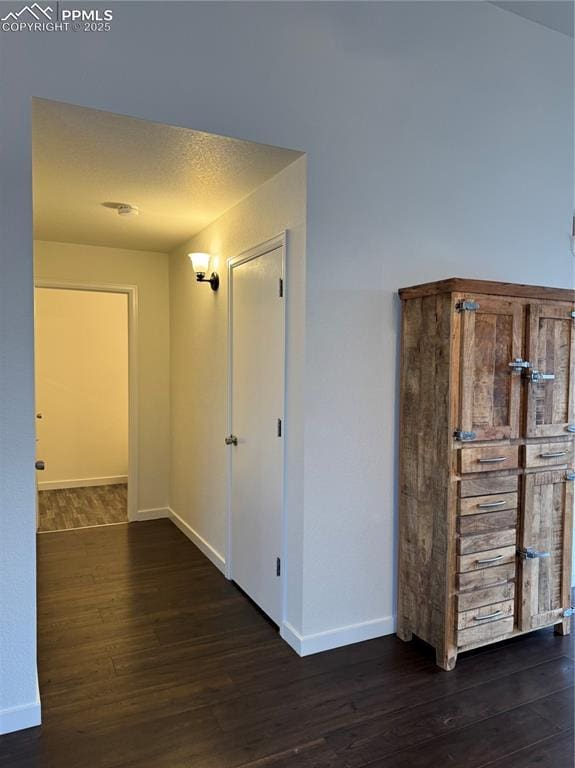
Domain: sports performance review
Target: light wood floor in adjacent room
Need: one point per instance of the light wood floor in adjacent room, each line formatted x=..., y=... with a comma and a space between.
x=149, y=658
x=82, y=507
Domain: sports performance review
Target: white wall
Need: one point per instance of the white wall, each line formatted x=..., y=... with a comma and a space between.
x=198, y=358
x=81, y=361
x=439, y=141
x=148, y=271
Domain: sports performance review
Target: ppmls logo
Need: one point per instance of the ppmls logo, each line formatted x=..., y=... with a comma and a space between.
x=35, y=11
x=38, y=18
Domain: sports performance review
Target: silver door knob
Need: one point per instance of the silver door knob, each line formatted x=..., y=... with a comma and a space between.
x=40, y=465
x=231, y=440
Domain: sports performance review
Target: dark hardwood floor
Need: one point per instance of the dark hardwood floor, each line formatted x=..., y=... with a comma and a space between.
x=67, y=508
x=149, y=658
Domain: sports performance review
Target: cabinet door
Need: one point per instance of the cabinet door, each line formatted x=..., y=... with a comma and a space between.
x=550, y=348
x=491, y=338
x=546, y=530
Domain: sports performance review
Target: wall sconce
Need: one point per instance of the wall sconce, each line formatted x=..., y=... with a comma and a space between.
x=201, y=264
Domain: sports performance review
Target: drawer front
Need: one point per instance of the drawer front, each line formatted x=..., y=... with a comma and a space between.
x=494, y=502
x=481, y=597
x=498, y=575
x=494, y=521
x=480, y=617
x=549, y=454
x=482, y=542
x=488, y=459
x=483, y=634
x=488, y=559
x=482, y=486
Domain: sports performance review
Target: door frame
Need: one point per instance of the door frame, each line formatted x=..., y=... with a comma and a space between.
x=131, y=291
x=279, y=241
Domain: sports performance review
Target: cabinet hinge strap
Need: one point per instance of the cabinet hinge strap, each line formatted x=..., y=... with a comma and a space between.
x=467, y=306
x=530, y=553
x=460, y=434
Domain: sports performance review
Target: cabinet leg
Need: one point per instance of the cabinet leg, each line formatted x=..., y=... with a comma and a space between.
x=446, y=659
x=564, y=628
x=403, y=632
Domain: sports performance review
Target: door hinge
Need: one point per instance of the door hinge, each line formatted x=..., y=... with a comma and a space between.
x=279, y=427
x=467, y=306
x=568, y=612
x=459, y=434
x=281, y=288
x=278, y=567
x=530, y=553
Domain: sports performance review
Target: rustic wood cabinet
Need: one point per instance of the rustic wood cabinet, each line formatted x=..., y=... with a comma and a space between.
x=486, y=462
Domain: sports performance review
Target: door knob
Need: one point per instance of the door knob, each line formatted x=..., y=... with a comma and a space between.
x=231, y=440
x=40, y=465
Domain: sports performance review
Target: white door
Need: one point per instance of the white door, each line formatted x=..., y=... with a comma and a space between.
x=257, y=336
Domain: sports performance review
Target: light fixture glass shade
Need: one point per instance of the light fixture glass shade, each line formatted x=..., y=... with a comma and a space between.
x=200, y=262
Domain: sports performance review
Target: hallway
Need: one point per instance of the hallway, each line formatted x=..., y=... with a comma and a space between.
x=148, y=657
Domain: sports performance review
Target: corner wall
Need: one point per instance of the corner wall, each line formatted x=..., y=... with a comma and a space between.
x=199, y=370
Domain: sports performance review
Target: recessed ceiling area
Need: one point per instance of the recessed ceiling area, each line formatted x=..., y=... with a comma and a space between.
x=180, y=179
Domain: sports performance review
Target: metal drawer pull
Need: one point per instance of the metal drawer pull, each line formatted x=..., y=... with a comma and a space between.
x=553, y=454
x=489, y=616
x=493, y=460
x=490, y=504
x=490, y=560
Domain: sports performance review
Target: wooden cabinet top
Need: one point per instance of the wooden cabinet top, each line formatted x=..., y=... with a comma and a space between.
x=462, y=285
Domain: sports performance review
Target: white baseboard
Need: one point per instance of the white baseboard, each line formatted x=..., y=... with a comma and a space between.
x=149, y=514
x=207, y=549
x=305, y=645
x=22, y=716
x=84, y=482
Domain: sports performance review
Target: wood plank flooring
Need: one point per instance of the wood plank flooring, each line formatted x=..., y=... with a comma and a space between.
x=149, y=658
x=67, y=508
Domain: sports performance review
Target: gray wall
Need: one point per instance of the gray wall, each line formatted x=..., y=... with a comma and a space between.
x=439, y=141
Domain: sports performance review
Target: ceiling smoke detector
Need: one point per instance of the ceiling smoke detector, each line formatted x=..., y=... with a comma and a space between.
x=128, y=210
x=123, y=209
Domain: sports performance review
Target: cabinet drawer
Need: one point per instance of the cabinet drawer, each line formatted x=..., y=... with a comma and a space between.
x=494, y=521
x=481, y=486
x=488, y=559
x=484, y=633
x=548, y=454
x=488, y=459
x=485, y=542
x=494, y=502
x=498, y=575
x=479, y=617
x=481, y=597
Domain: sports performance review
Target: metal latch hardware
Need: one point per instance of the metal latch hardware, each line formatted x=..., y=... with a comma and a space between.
x=518, y=365
x=536, y=376
x=459, y=434
x=530, y=553
x=568, y=612
x=467, y=306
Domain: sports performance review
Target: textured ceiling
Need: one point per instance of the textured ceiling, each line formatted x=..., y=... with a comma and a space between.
x=181, y=179
x=555, y=14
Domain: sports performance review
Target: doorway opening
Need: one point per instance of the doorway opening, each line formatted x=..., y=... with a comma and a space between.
x=86, y=415
x=150, y=214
